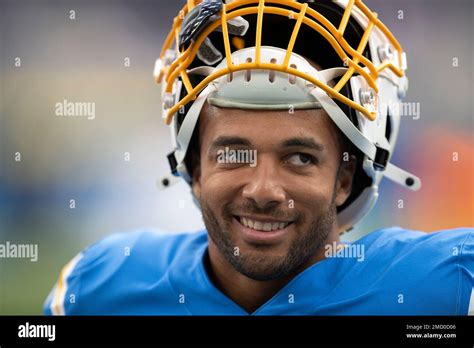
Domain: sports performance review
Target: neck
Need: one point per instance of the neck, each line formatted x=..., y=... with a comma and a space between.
x=249, y=293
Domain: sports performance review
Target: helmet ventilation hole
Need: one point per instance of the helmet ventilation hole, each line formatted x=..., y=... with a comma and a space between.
x=271, y=73
x=248, y=73
x=292, y=78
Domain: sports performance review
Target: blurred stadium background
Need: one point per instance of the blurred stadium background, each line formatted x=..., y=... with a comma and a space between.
x=65, y=158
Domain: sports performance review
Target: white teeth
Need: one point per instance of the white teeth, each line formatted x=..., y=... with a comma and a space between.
x=250, y=223
x=262, y=225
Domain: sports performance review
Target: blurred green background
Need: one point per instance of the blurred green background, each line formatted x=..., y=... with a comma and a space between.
x=64, y=158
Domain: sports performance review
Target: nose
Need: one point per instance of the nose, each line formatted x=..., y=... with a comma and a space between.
x=265, y=186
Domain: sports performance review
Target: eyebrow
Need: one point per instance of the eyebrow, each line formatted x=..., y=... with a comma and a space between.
x=303, y=142
x=230, y=140
x=223, y=141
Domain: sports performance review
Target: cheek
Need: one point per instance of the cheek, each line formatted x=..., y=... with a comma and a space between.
x=310, y=195
x=219, y=188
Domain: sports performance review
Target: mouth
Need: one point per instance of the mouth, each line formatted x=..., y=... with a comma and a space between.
x=262, y=230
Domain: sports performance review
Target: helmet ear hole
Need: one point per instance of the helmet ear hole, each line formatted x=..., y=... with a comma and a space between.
x=388, y=127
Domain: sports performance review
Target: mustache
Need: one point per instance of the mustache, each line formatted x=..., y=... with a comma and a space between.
x=271, y=210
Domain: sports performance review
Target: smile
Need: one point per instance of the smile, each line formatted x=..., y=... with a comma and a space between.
x=262, y=230
x=263, y=225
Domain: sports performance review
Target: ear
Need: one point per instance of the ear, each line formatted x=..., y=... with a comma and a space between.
x=344, y=179
x=196, y=183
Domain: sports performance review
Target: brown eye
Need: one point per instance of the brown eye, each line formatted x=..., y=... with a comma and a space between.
x=301, y=159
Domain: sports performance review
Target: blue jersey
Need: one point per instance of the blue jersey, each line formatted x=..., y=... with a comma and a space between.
x=400, y=272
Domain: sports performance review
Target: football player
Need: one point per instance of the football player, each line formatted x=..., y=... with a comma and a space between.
x=284, y=123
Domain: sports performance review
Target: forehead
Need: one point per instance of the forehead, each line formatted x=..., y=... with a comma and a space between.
x=264, y=126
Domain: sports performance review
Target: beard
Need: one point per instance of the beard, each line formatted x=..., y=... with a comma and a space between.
x=257, y=264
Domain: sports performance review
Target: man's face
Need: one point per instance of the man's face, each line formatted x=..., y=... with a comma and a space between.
x=269, y=217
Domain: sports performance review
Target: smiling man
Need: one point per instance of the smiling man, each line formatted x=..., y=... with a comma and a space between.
x=301, y=85
x=258, y=239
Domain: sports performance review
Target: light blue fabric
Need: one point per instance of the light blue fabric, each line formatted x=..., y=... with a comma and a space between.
x=403, y=273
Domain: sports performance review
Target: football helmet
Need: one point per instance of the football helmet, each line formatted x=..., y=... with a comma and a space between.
x=225, y=53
